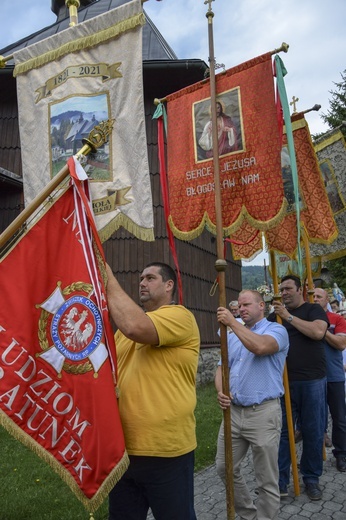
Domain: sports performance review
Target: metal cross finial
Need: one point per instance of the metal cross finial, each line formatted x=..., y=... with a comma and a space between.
x=294, y=104
x=208, y=2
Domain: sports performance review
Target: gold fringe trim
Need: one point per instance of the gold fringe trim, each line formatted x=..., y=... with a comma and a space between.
x=264, y=225
x=297, y=125
x=86, y=42
x=313, y=240
x=146, y=234
x=90, y=504
x=227, y=231
x=188, y=235
x=330, y=240
x=329, y=256
x=322, y=241
x=330, y=140
x=252, y=257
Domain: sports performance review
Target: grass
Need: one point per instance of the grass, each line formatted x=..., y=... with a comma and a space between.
x=30, y=490
x=208, y=419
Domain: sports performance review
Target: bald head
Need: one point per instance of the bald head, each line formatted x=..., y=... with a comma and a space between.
x=251, y=306
x=256, y=295
x=321, y=297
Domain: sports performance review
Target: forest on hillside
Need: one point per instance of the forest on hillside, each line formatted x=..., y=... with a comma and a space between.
x=254, y=276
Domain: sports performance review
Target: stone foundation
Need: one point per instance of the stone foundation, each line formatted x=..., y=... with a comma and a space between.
x=207, y=364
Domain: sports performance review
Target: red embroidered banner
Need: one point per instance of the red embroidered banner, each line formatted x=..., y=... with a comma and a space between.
x=316, y=214
x=249, y=150
x=57, y=352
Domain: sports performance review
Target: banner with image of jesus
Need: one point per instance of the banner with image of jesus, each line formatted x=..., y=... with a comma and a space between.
x=249, y=152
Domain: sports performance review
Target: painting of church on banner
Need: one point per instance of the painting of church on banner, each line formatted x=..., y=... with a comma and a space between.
x=71, y=121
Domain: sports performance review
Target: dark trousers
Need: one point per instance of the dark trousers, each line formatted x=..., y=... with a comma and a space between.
x=308, y=400
x=165, y=484
x=337, y=408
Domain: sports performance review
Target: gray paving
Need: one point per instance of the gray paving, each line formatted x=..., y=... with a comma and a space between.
x=210, y=501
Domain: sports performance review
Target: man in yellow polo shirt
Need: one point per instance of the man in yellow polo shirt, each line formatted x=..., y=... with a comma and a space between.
x=157, y=353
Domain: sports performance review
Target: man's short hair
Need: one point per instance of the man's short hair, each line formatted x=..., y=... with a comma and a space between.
x=336, y=302
x=167, y=273
x=294, y=278
x=233, y=303
x=258, y=296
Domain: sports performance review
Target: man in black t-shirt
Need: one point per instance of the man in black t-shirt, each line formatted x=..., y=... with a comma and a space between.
x=306, y=324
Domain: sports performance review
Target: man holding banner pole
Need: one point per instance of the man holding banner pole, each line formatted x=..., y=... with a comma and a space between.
x=157, y=353
x=306, y=325
x=257, y=353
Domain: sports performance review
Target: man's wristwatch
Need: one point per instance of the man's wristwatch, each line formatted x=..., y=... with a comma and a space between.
x=290, y=318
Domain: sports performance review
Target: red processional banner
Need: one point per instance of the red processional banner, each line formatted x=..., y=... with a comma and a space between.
x=249, y=152
x=316, y=213
x=57, y=352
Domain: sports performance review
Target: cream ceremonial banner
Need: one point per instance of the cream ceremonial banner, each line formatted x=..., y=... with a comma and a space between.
x=67, y=84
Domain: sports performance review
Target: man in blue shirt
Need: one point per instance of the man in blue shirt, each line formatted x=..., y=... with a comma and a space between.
x=335, y=343
x=256, y=357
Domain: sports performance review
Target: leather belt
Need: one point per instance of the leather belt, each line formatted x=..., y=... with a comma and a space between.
x=257, y=404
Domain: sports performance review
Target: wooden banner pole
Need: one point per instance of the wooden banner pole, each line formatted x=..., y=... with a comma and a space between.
x=287, y=397
x=220, y=266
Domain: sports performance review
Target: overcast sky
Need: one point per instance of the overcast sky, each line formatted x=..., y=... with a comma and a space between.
x=314, y=29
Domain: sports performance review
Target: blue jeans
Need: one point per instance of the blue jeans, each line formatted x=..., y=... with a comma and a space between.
x=308, y=401
x=165, y=484
x=337, y=408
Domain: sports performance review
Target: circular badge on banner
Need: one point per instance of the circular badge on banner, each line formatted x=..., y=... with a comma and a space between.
x=76, y=328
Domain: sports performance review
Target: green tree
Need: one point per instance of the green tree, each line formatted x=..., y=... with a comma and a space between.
x=54, y=137
x=253, y=276
x=337, y=269
x=336, y=114
x=65, y=127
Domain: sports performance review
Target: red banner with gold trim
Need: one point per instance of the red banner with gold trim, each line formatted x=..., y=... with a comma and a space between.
x=316, y=213
x=57, y=352
x=249, y=152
